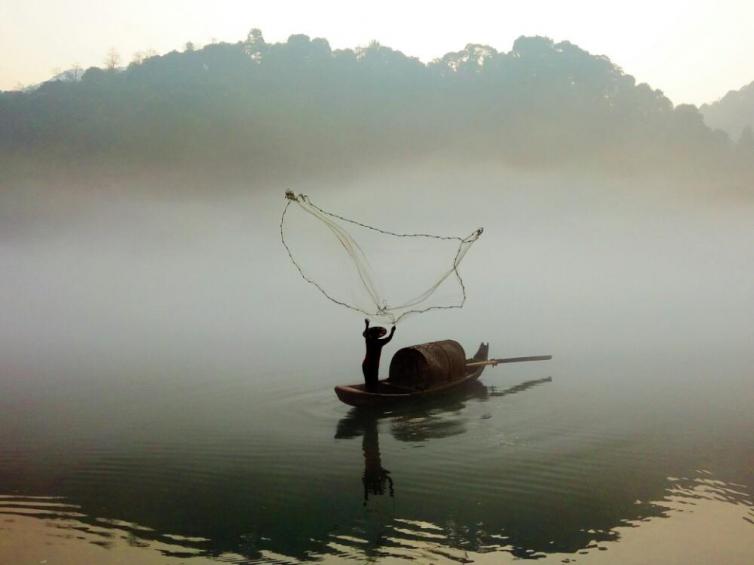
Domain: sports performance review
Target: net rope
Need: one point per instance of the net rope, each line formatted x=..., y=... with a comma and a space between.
x=364, y=270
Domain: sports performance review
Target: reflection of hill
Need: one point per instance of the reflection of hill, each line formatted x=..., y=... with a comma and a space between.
x=67, y=529
x=456, y=494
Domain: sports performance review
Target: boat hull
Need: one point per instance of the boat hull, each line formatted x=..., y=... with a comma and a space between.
x=388, y=394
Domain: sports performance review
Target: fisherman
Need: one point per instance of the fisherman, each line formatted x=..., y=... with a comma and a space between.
x=374, y=343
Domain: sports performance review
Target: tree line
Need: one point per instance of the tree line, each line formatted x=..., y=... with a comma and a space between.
x=256, y=108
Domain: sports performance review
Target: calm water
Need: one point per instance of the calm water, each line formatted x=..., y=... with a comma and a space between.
x=562, y=459
x=166, y=387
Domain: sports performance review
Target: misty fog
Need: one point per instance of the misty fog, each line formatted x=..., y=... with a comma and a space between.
x=583, y=267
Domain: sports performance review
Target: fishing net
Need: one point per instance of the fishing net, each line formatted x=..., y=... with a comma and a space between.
x=381, y=274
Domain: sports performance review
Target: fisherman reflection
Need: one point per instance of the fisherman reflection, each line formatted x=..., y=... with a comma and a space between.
x=374, y=343
x=375, y=477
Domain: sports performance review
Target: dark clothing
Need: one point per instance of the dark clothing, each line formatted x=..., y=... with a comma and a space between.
x=371, y=363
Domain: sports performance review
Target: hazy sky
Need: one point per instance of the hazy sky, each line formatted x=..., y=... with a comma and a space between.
x=693, y=50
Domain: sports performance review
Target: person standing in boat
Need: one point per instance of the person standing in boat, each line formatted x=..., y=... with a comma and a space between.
x=374, y=342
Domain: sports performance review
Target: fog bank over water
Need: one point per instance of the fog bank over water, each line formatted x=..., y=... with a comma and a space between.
x=199, y=286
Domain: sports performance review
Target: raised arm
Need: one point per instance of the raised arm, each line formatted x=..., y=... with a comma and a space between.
x=388, y=338
x=366, y=327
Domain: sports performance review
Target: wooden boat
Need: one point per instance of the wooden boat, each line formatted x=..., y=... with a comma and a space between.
x=389, y=391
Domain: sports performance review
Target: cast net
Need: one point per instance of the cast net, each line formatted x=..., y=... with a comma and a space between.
x=381, y=274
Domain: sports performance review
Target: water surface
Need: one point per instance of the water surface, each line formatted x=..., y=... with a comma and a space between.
x=532, y=462
x=166, y=389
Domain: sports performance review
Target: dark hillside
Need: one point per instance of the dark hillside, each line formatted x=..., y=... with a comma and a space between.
x=258, y=109
x=733, y=113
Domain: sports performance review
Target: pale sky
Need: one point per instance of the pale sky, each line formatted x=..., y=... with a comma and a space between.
x=693, y=50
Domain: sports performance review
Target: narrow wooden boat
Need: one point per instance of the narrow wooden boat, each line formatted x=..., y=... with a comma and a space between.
x=454, y=375
x=389, y=392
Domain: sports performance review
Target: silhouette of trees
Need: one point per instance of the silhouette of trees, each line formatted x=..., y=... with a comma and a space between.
x=73, y=74
x=254, y=108
x=733, y=113
x=745, y=143
x=112, y=59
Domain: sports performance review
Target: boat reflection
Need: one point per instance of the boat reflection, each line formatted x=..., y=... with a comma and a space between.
x=414, y=423
x=487, y=474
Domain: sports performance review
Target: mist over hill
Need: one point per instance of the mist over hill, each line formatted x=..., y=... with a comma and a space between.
x=258, y=110
x=733, y=113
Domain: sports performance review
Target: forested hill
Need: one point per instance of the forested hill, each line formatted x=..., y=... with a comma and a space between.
x=258, y=108
x=734, y=113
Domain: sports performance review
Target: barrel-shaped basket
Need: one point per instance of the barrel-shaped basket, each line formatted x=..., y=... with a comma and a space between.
x=428, y=364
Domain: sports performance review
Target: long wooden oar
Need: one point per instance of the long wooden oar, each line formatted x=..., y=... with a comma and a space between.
x=494, y=362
